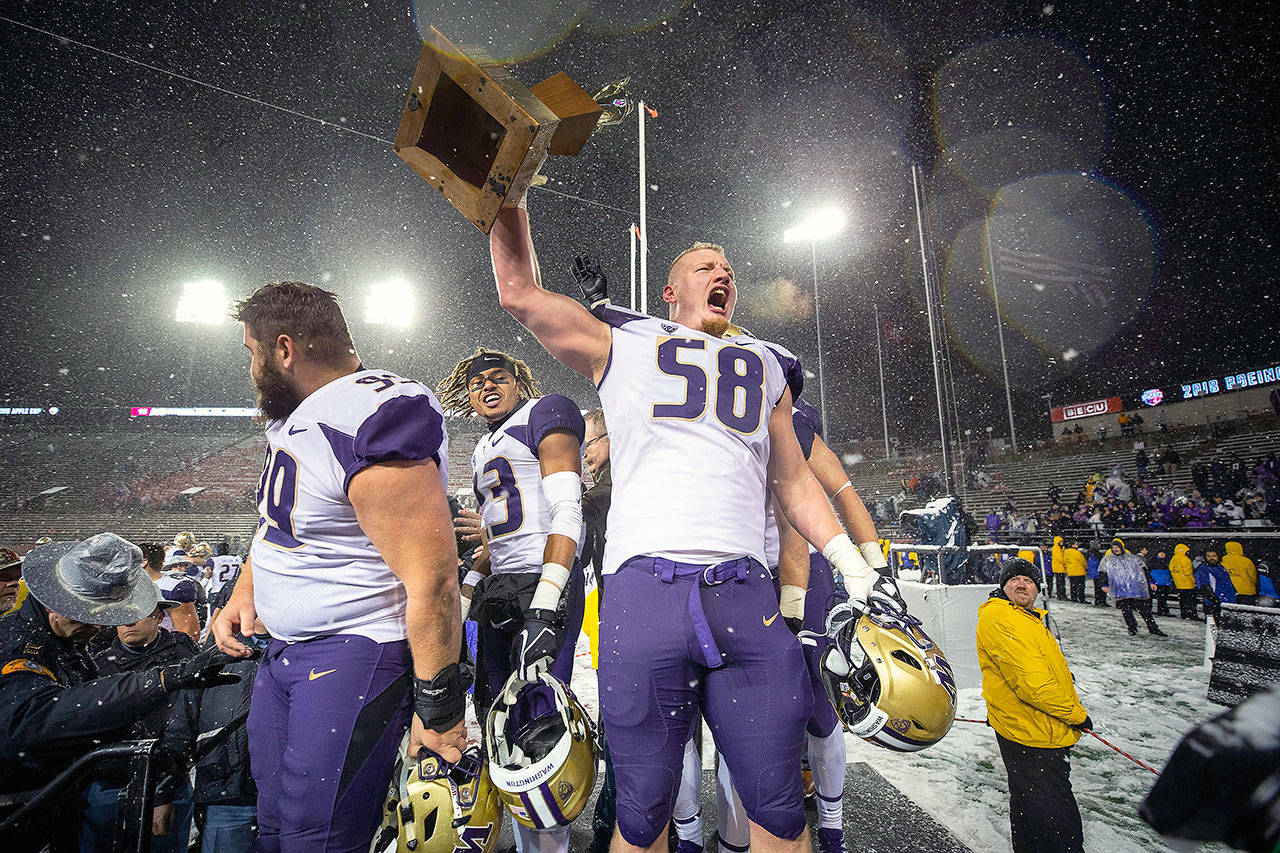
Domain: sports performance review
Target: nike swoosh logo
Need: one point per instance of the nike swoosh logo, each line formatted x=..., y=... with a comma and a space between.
x=296, y=430
x=770, y=620
x=313, y=675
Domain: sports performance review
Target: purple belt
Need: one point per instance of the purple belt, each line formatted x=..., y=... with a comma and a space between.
x=718, y=573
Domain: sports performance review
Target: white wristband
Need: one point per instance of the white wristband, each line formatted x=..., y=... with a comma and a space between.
x=554, y=579
x=872, y=553
x=791, y=602
x=848, y=560
x=473, y=578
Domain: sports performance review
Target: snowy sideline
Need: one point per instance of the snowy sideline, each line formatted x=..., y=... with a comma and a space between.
x=1143, y=693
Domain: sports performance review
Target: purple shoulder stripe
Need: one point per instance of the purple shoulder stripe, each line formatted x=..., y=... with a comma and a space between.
x=401, y=428
x=790, y=368
x=618, y=317
x=344, y=450
x=552, y=412
x=810, y=414
x=804, y=433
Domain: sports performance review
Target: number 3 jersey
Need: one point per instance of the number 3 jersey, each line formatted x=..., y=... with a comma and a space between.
x=315, y=572
x=507, y=475
x=688, y=419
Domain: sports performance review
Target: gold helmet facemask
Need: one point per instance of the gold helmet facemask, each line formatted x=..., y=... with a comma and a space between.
x=888, y=682
x=435, y=806
x=543, y=764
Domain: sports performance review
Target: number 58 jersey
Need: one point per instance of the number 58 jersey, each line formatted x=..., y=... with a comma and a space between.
x=688, y=419
x=315, y=572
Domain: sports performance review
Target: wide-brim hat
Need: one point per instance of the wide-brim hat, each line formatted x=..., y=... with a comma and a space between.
x=99, y=581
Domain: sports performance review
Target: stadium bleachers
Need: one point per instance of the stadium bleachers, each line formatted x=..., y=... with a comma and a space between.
x=226, y=462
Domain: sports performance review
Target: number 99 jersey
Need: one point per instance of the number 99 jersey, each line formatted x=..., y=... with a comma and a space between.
x=508, y=481
x=688, y=417
x=315, y=572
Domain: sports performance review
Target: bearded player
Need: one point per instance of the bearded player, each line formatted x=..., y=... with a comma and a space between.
x=528, y=480
x=700, y=427
x=352, y=572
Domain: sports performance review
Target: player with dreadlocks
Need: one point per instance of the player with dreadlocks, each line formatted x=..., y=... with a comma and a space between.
x=527, y=473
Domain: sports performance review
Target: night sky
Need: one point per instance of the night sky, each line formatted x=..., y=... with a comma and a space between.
x=1132, y=145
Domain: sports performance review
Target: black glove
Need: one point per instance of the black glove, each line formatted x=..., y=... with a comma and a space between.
x=796, y=625
x=1087, y=725
x=538, y=643
x=885, y=596
x=591, y=281
x=203, y=670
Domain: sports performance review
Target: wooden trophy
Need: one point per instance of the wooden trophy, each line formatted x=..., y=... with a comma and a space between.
x=478, y=136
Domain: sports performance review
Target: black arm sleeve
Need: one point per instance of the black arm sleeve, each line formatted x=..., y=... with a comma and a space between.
x=38, y=715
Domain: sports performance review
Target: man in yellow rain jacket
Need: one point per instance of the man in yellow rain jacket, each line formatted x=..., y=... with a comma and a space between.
x=1033, y=706
x=1073, y=561
x=1185, y=582
x=1059, y=571
x=1244, y=574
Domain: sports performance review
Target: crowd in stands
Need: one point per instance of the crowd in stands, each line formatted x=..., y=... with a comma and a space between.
x=1228, y=492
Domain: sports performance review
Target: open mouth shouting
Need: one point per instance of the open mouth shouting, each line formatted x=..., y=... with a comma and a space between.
x=718, y=299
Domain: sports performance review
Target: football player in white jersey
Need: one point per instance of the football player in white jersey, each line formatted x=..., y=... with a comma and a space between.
x=225, y=567
x=527, y=474
x=700, y=428
x=353, y=573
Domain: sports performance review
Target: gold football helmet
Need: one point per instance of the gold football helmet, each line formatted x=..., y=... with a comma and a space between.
x=438, y=807
x=888, y=682
x=734, y=330
x=542, y=751
x=185, y=540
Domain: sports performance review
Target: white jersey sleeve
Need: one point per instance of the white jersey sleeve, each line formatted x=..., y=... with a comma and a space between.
x=507, y=475
x=688, y=417
x=315, y=572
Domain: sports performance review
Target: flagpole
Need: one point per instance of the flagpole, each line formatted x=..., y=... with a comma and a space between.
x=632, y=234
x=884, y=401
x=1004, y=364
x=935, y=330
x=644, y=230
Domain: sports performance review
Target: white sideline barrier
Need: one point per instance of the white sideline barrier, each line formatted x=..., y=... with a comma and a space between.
x=949, y=615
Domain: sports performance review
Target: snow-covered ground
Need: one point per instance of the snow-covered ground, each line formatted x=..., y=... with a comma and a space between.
x=1143, y=693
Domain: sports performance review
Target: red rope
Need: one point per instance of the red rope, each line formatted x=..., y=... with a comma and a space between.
x=1125, y=754
x=1095, y=734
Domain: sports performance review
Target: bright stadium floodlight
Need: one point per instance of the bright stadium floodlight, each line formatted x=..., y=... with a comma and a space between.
x=389, y=303
x=203, y=301
x=819, y=226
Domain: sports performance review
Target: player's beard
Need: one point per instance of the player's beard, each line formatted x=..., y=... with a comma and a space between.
x=715, y=326
x=276, y=397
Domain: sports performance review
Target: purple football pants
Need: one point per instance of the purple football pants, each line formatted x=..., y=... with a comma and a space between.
x=675, y=639
x=326, y=720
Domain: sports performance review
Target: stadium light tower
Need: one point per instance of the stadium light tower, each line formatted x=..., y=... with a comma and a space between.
x=203, y=301
x=389, y=303
x=820, y=225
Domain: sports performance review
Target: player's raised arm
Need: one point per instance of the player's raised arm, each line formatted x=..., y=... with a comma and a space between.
x=563, y=327
x=402, y=508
